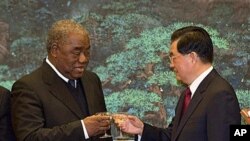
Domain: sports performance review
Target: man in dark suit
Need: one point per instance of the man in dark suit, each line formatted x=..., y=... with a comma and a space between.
x=55, y=102
x=6, y=131
x=213, y=106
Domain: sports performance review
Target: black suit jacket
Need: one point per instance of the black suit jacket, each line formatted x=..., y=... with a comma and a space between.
x=44, y=110
x=213, y=108
x=6, y=131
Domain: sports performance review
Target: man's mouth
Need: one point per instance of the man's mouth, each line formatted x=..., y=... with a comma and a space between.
x=79, y=69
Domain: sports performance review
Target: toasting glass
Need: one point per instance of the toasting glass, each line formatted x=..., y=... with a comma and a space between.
x=119, y=118
x=106, y=135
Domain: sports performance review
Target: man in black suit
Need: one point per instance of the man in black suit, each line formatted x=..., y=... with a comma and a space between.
x=46, y=106
x=213, y=106
x=6, y=131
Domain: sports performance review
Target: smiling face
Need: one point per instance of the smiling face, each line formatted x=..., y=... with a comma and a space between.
x=72, y=56
x=68, y=47
x=191, y=53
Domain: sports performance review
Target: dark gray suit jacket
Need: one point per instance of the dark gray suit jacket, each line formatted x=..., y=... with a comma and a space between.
x=213, y=108
x=6, y=131
x=44, y=110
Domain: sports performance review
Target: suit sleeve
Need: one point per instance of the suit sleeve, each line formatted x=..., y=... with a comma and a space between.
x=29, y=121
x=151, y=133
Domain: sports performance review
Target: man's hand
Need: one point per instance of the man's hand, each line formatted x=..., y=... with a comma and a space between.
x=96, y=124
x=132, y=125
x=245, y=114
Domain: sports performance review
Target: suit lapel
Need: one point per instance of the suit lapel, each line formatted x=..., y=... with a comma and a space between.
x=89, y=93
x=197, y=98
x=177, y=117
x=59, y=90
x=178, y=111
x=192, y=106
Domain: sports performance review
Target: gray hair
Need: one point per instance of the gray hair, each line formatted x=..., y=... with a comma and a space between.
x=59, y=32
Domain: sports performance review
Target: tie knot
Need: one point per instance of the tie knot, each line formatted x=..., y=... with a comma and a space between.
x=72, y=83
x=187, y=91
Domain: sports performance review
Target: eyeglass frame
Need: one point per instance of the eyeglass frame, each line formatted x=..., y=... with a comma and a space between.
x=172, y=57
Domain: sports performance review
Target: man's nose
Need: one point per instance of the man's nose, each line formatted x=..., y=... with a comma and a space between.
x=83, y=58
x=171, y=65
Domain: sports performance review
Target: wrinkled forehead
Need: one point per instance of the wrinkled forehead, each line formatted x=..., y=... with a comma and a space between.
x=76, y=37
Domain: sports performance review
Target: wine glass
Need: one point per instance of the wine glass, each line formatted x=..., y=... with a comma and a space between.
x=120, y=118
x=106, y=135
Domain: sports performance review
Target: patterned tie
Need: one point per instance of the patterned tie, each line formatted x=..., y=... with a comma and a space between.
x=72, y=83
x=186, y=100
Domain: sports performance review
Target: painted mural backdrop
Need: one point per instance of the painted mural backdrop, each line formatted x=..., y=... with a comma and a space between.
x=130, y=42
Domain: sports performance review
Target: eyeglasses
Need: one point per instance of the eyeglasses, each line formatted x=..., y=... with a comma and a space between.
x=171, y=57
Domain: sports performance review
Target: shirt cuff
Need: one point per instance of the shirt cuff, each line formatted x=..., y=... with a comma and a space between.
x=139, y=138
x=84, y=130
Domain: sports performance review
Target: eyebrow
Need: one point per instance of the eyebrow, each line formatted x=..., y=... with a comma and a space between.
x=81, y=47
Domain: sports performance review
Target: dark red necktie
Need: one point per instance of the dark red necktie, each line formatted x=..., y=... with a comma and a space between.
x=186, y=100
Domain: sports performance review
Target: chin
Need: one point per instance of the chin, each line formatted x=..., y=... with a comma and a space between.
x=80, y=74
x=177, y=77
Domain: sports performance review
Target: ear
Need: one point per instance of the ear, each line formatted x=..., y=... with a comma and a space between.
x=193, y=56
x=54, y=50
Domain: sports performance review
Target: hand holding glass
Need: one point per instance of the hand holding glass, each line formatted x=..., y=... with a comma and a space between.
x=105, y=114
x=118, y=119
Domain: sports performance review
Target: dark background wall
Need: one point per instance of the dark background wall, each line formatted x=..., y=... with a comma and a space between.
x=130, y=41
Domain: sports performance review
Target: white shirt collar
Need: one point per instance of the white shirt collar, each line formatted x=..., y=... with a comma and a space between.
x=198, y=80
x=57, y=72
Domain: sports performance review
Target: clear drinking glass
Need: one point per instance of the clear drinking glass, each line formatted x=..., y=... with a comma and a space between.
x=119, y=118
x=106, y=135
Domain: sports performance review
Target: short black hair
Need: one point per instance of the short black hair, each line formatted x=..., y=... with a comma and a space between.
x=194, y=39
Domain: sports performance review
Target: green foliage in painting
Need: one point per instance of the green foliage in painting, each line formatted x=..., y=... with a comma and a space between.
x=125, y=26
x=135, y=102
x=121, y=7
x=7, y=84
x=244, y=100
x=24, y=48
x=150, y=43
x=162, y=78
x=243, y=97
x=122, y=65
x=4, y=72
x=170, y=103
x=116, y=5
x=101, y=71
